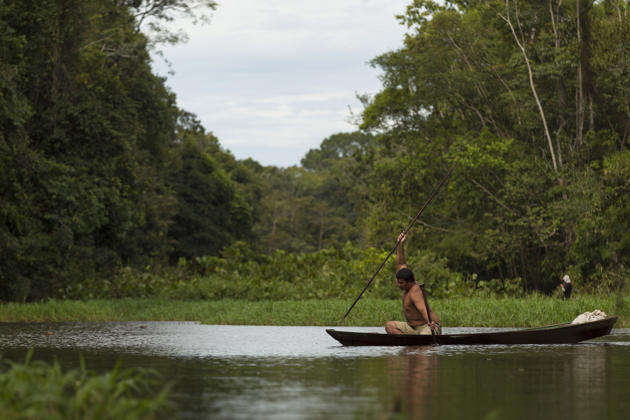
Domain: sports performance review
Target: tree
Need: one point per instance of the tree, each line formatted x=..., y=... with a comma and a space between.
x=211, y=212
x=86, y=130
x=514, y=93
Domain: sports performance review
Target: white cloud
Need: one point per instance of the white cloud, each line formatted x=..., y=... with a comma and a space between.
x=306, y=97
x=271, y=79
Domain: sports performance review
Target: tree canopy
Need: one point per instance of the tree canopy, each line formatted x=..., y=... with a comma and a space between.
x=101, y=170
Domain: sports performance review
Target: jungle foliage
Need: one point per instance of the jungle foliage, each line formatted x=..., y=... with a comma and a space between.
x=105, y=182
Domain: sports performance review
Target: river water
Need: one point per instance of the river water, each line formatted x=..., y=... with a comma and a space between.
x=254, y=372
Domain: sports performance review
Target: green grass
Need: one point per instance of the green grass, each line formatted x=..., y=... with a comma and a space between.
x=534, y=310
x=39, y=390
x=527, y=312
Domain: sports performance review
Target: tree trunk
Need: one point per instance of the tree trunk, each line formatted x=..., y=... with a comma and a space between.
x=532, y=84
x=579, y=100
x=585, y=91
x=560, y=88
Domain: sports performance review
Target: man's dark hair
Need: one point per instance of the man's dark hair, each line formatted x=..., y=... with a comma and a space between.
x=405, y=274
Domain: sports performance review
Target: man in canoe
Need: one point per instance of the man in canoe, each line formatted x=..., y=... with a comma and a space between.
x=414, y=303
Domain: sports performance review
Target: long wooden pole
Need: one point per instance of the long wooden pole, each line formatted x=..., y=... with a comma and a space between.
x=413, y=221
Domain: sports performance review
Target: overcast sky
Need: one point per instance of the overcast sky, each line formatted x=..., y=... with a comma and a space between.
x=273, y=78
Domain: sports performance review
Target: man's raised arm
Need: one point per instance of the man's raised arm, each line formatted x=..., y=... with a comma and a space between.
x=401, y=261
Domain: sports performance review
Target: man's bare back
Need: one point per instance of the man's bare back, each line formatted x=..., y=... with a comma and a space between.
x=413, y=314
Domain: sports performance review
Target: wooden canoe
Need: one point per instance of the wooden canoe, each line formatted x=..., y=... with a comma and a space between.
x=552, y=334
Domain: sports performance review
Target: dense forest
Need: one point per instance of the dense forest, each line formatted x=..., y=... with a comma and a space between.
x=101, y=173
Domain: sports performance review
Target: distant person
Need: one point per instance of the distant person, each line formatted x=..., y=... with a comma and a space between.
x=566, y=287
x=414, y=307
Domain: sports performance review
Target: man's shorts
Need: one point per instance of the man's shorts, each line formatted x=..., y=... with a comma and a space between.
x=423, y=329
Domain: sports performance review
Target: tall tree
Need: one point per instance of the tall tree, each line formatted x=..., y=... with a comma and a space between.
x=86, y=133
x=512, y=92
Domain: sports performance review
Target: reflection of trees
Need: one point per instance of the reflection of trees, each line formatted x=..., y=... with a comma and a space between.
x=585, y=378
x=522, y=382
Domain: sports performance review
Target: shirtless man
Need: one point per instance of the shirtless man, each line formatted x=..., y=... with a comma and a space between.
x=414, y=308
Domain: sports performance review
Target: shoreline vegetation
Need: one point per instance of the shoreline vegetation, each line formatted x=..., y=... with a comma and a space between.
x=530, y=311
x=36, y=389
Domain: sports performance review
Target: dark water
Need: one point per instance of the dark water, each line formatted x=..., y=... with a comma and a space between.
x=244, y=372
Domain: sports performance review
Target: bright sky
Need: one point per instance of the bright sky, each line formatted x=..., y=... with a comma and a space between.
x=273, y=78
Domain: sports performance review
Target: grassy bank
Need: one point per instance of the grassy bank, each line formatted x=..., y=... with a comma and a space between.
x=476, y=311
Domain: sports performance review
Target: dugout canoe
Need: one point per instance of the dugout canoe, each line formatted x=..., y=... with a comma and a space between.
x=551, y=334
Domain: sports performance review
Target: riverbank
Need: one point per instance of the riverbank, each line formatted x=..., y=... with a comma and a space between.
x=454, y=312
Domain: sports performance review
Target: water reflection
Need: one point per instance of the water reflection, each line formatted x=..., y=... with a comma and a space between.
x=584, y=381
x=413, y=380
x=225, y=372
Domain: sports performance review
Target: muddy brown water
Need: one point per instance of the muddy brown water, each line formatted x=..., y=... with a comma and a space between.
x=254, y=372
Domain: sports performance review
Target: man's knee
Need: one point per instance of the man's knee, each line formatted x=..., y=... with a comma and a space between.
x=390, y=328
